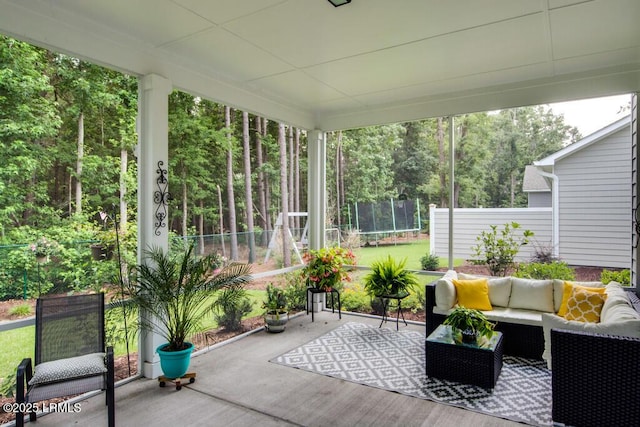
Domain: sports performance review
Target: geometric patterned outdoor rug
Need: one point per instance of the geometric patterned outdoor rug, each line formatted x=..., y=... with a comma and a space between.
x=395, y=361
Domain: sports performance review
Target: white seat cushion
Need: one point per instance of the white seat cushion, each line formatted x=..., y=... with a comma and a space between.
x=506, y=315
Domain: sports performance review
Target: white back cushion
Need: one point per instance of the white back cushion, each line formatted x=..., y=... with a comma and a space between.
x=532, y=294
x=499, y=288
x=558, y=290
x=446, y=291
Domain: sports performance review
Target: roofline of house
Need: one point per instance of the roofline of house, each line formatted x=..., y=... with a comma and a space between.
x=584, y=142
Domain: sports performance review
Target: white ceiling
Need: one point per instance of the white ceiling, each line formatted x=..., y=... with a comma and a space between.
x=311, y=65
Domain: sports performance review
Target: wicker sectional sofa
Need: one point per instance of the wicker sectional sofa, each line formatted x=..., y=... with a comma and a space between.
x=526, y=310
x=595, y=378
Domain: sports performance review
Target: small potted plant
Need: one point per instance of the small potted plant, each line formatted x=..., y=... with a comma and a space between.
x=276, y=315
x=472, y=324
x=326, y=268
x=388, y=277
x=42, y=248
x=103, y=251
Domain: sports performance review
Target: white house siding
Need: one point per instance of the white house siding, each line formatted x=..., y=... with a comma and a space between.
x=469, y=223
x=595, y=203
x=540, y=199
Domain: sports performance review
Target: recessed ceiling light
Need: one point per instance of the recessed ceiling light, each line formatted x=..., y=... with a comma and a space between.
x=337, y=3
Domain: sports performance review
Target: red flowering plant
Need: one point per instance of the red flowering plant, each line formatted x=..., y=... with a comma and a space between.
x=326, y=268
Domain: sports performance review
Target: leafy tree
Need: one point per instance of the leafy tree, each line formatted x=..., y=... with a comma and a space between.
x=28, y=121
x=413, y=162
x=521, y=135
x=248, y=187
x=368, y=173
x=471, y=154
x=230, y=191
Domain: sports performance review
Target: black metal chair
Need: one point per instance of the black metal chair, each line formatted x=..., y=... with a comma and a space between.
x=70, y=356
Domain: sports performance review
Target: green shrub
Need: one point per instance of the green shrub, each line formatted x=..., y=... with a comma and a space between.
x=377, y=306
x=354, y=298
x=114, y=327
x=623, y=277
x=430, y=262
x=414, y=302
x=498, y=250
x=70, y=267
x=231, y=306
x=20, y=310
x=295, y=291
x=8, y=384
x=537, y=270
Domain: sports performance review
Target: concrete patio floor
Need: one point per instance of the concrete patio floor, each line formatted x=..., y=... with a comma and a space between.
x=237, y=386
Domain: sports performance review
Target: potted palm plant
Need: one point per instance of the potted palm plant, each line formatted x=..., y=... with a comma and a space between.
x=276, y=315
x=176, y=291
x=470, y=323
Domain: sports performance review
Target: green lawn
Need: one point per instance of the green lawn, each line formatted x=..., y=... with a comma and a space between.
x=365, y=256
x=19, y=343
x=16, y=345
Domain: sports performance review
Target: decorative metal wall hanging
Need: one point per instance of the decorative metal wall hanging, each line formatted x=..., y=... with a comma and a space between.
x=161, y=197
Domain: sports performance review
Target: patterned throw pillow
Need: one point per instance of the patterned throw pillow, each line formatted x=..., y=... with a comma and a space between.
x=473, y=293
x=70, y=368
x=567, y=291
x=584, y=305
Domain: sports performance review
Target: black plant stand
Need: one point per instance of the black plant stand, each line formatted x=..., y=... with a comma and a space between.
x=385, y=306
x=313, y=291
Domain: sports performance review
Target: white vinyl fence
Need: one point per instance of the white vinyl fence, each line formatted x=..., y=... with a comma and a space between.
x=469, y=223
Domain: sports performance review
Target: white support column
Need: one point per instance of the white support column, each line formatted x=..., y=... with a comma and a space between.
x=452, y=187
x=432, y=229
x=153, y=162
x=317, y=198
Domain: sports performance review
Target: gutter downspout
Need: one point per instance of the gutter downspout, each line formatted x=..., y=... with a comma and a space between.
x=555, y=211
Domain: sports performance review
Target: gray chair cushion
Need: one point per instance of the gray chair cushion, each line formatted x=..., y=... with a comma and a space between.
x=72, y=367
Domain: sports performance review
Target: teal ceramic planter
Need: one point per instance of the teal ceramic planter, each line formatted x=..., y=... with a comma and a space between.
x=174, y=364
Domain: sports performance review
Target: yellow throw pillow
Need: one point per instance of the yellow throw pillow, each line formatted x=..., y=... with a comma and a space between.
x=584, y=305
x=566, y=293
x=473, y=293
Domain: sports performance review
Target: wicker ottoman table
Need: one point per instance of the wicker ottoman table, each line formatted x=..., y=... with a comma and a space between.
x=470, y=364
